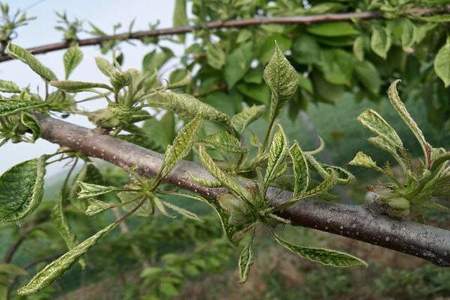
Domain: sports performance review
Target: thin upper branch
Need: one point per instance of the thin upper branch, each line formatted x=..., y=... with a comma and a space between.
x=356, y=222
x=214, y=25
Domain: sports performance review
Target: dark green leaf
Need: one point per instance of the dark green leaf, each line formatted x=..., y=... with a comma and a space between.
x=238, y=63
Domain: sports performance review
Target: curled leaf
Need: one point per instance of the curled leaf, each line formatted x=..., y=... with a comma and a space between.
x=363, y=160
x=277, y=154
x=77, y=86
x=245, y=260
x=89, y=190
x=21, y=189
x=56, y=268
x=325, y=257
x=28, y=58
x=375, y=123
x=300, y=168
x=241, y=120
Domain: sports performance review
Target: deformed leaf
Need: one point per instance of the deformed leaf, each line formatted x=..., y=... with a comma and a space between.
x=188, y=106
x=325, y=257
x=21, y=189
x=277, y=153
x=184, y=212
x=442, y=63
x=227, y=180
x=89, y=190
x=60, y=221
x=300, y=168
x=245, y=260
x=241, y=120
x=224, y=141
x=28, y=58
x=375, y=123
x=56, y=268
x=180, y=147
x=281, y=78
x=7, y=86
x=409, y=121
x=10, y=107
x=363, y=160
x=77, y=86
x=72, y=58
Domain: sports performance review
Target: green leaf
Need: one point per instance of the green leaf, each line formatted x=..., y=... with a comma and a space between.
x=368, y=75
x=245, y=260
x=7, y=86
x=241, y=120
x=442, y=63
x=281, y=78
x=21, y=189
x=28, y=58
x=77, y=86
x=358, y=48
x=408, y=36
x=56, y=268
x=187, y=106
x=224, y=141
x=363, y=160
x=180, y=147
x=216, y=56
x=325, y=257
x=88, y=174
x=227, y=180
x=180, y=16
x=332, y=29
x=277, y=153
x=301, y=170
x=375, y=123
x=380, y=41
x=11, y=269
x=72, y=58
x=337, y=66
x=96, y=206
x=10, y=107
x=409, y=121
x=89, y=190
x=60, y=221
x=238, y=63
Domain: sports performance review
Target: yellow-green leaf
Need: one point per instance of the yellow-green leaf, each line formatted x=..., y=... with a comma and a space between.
x=28, y=58
x=224, y=141
x=323, y=256
x=245, y=260
x=363, y=160
x=277, y=154
x=375, y=123
x=10, y=107
x=56, y=268
x=7, y=86
x=77, y=86
x=89, y=190
x=380, y=41
x=442, y=63
x=241, y=120
x=21, y=189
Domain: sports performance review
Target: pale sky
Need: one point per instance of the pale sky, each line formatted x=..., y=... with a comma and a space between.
x=103, y=13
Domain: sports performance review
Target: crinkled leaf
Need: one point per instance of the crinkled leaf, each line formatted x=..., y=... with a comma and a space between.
x=442, y=63
x=72, y=58
x=409, y=121
x=277, y=153
x=7, y=86
x=10, y=107
x=227, y=180
x=180, y=147
x=224, y=141
x=375, y=123
x=30, y=122
x=88, y=174
x=187, y=106
x=325, y=257
x=363, y=160
x=21, y=189
x=28, y=58
x=380, y=41
x=300, y=168
x=281, y=78
x=77, y=86
x=62, y=226
x=89, y=190
x=96, y=206
x=245, y=260
x=184, y=212
x=241, y=120
x=56, y=268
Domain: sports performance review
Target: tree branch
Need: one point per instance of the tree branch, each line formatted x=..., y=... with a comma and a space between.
x=356, y=222
x=214, y=25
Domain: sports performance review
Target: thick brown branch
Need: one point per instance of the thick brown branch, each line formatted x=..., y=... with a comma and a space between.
x=356, y=222
x=293, y=20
